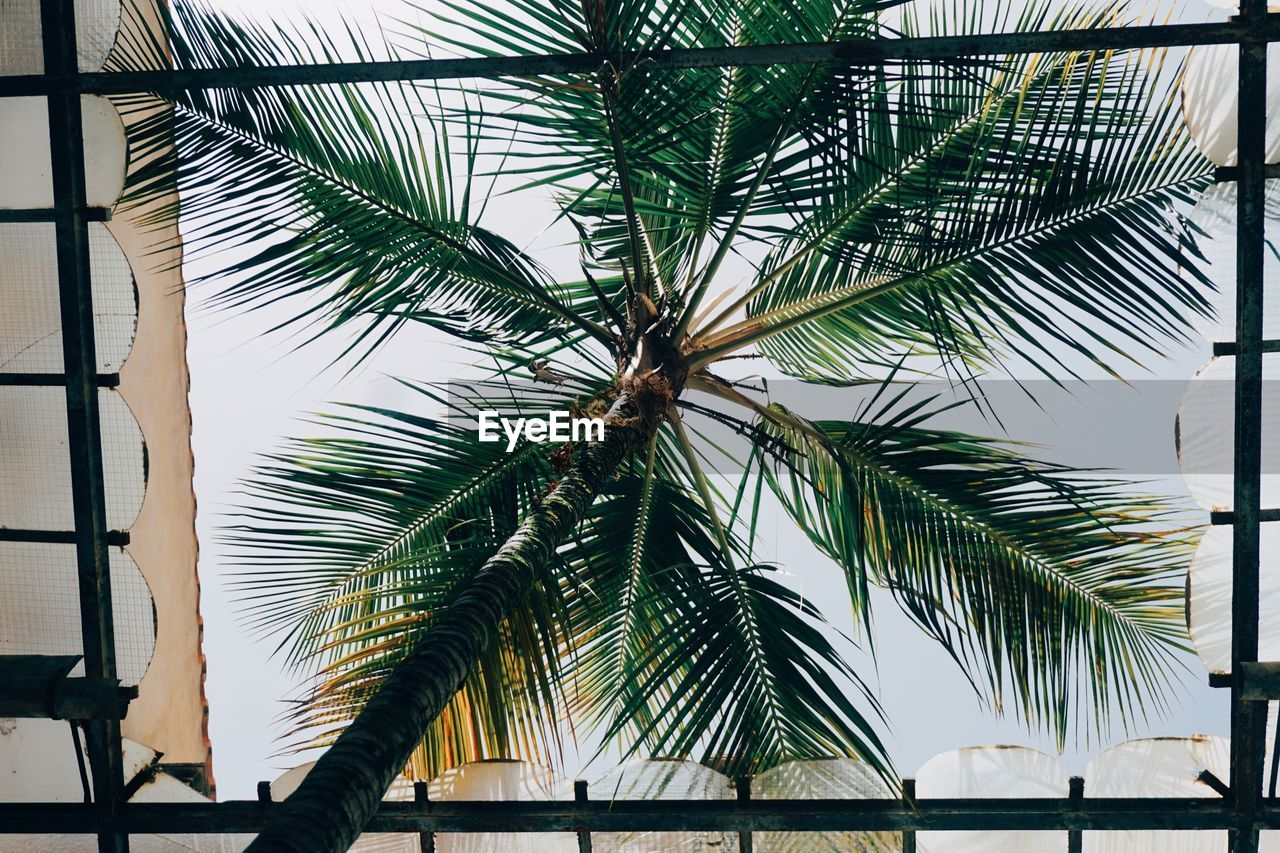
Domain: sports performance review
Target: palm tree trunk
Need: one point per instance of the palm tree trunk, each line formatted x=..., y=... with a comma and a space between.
x=343, y=790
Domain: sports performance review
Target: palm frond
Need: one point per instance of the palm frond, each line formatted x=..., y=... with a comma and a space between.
x=1026, y=206
x=510, y=704
x=678, y=651
x=676, y=156
x=1059, y=590
x=344, y=198
x=353, y=543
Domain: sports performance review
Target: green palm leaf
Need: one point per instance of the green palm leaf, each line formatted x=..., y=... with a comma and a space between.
x=334, y=195
x=1010, y=210
x=510, y=703
x=353, y=543
x=680, y=651
x=1061, y=591
x=696, y=144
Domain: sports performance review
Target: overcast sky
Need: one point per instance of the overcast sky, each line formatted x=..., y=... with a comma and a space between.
x=249, y=390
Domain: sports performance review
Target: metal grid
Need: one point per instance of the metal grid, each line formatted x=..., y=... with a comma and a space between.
x=1206, y=449
x=30, y=331
x=40, y=591
x=1241, y=811
x=20, y=51
x=1215, y=213
x=36, y=480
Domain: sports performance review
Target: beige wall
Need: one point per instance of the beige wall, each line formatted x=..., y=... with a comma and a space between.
x=170, y=712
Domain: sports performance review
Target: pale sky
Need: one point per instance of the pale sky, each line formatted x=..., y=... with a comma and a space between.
x=249, y=391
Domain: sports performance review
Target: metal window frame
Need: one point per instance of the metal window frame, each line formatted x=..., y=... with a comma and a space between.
x=1241, y=810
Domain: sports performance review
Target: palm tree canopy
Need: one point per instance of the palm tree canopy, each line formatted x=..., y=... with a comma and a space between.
x=956, y=214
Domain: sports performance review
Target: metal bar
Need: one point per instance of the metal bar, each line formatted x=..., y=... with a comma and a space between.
x=742, y=787
x=36, y=666
x=580, y=796
x=909, y=801
x=102, y=380
x=1248, y=718
x=1232, y=173
x=986, y=814
x=1219, y=787
x=1075, y=793
x=84, y=773
x=48, y=214
x=143, y=777
x=65, y=698
x=1275, y=758
x=1261, y=681
x=57, y=537
x=66, y=151
x=1228, y=517
x=853, y=52
x=427, y=839
x=1229, y=347
x=1057, y=814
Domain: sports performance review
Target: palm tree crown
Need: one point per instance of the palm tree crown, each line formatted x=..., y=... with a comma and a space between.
x=951, y=214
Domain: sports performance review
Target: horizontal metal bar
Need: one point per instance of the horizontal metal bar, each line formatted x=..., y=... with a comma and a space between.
x=1232, y=173
x=1229, y=347
x=672, y=815
x=48, y=214
x=65, y=698
x=854, y=52
x=38, y=686
x=48, y=667
x=57, y=537
x=1261, y=680
x=104, y=380
x=1229, y=517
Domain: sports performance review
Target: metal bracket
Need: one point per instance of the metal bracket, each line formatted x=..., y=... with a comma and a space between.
x=1222, y=789
x=1229, y=517
x=1223, y=174
x=1260, y=680
x=38, y=686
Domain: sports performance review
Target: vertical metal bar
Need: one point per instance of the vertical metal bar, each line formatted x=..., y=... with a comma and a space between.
x=580, y=796
x=427, y=838
x=1075, y=792
x=1275, y=754
x=1248, y=718
x=909, y=799
x=742, y=785
x=66, y=150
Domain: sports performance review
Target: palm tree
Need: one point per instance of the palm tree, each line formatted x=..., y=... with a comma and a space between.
x=459, y=601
